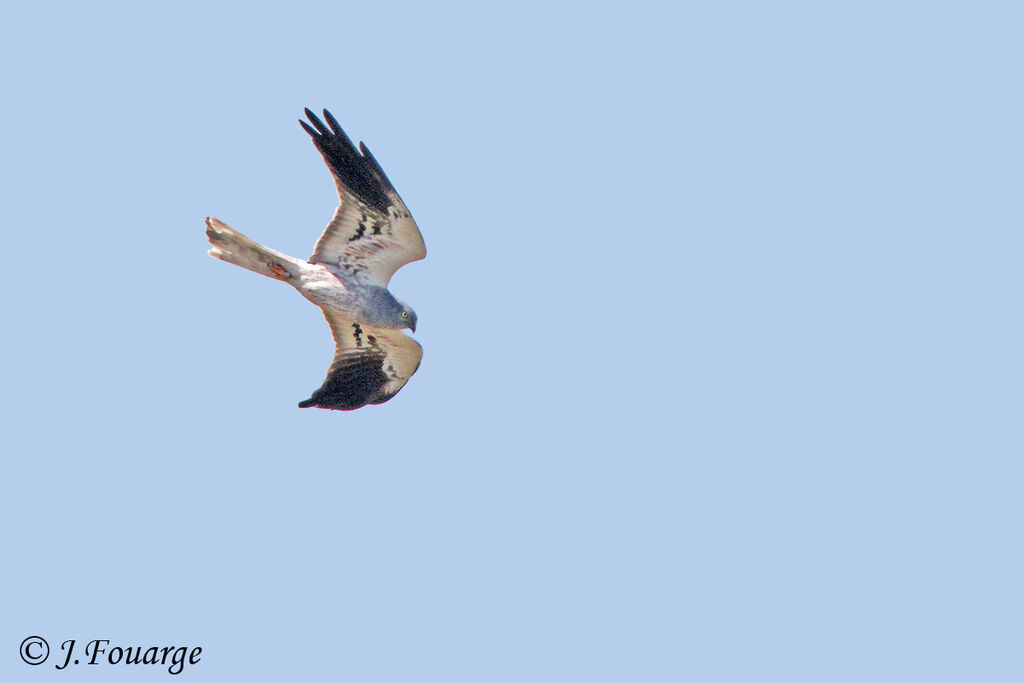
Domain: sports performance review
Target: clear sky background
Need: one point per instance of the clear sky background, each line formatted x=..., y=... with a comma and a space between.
x=722, y=328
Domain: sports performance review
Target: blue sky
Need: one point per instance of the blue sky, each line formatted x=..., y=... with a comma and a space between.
x=722, y=373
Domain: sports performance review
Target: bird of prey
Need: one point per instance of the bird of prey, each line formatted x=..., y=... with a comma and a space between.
x=371, y=236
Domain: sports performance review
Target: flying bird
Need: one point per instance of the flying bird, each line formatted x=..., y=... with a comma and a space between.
x=371, y=236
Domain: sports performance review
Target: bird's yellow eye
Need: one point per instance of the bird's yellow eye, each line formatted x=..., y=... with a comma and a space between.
x=404, y=314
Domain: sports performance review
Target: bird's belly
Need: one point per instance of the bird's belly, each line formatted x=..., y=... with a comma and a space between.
x=325, y=290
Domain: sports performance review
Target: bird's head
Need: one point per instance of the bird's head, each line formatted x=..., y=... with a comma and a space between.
x=381, y=307
x=407, y=316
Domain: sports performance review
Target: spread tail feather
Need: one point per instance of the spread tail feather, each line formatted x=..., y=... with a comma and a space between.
x=234, y=247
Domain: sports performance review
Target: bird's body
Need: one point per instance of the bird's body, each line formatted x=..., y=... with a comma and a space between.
x=371, y=235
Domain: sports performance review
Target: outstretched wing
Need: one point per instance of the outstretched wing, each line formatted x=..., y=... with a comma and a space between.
x=372, y=233
x=371, y=364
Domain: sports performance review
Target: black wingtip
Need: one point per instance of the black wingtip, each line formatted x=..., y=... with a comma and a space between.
x=317, y=123
x=333, y=123
x=355, y=169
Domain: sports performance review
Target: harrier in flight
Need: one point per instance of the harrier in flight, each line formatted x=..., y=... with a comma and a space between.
x=371, y=236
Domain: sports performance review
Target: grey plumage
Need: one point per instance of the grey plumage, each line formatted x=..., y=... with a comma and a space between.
x=371, y=235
